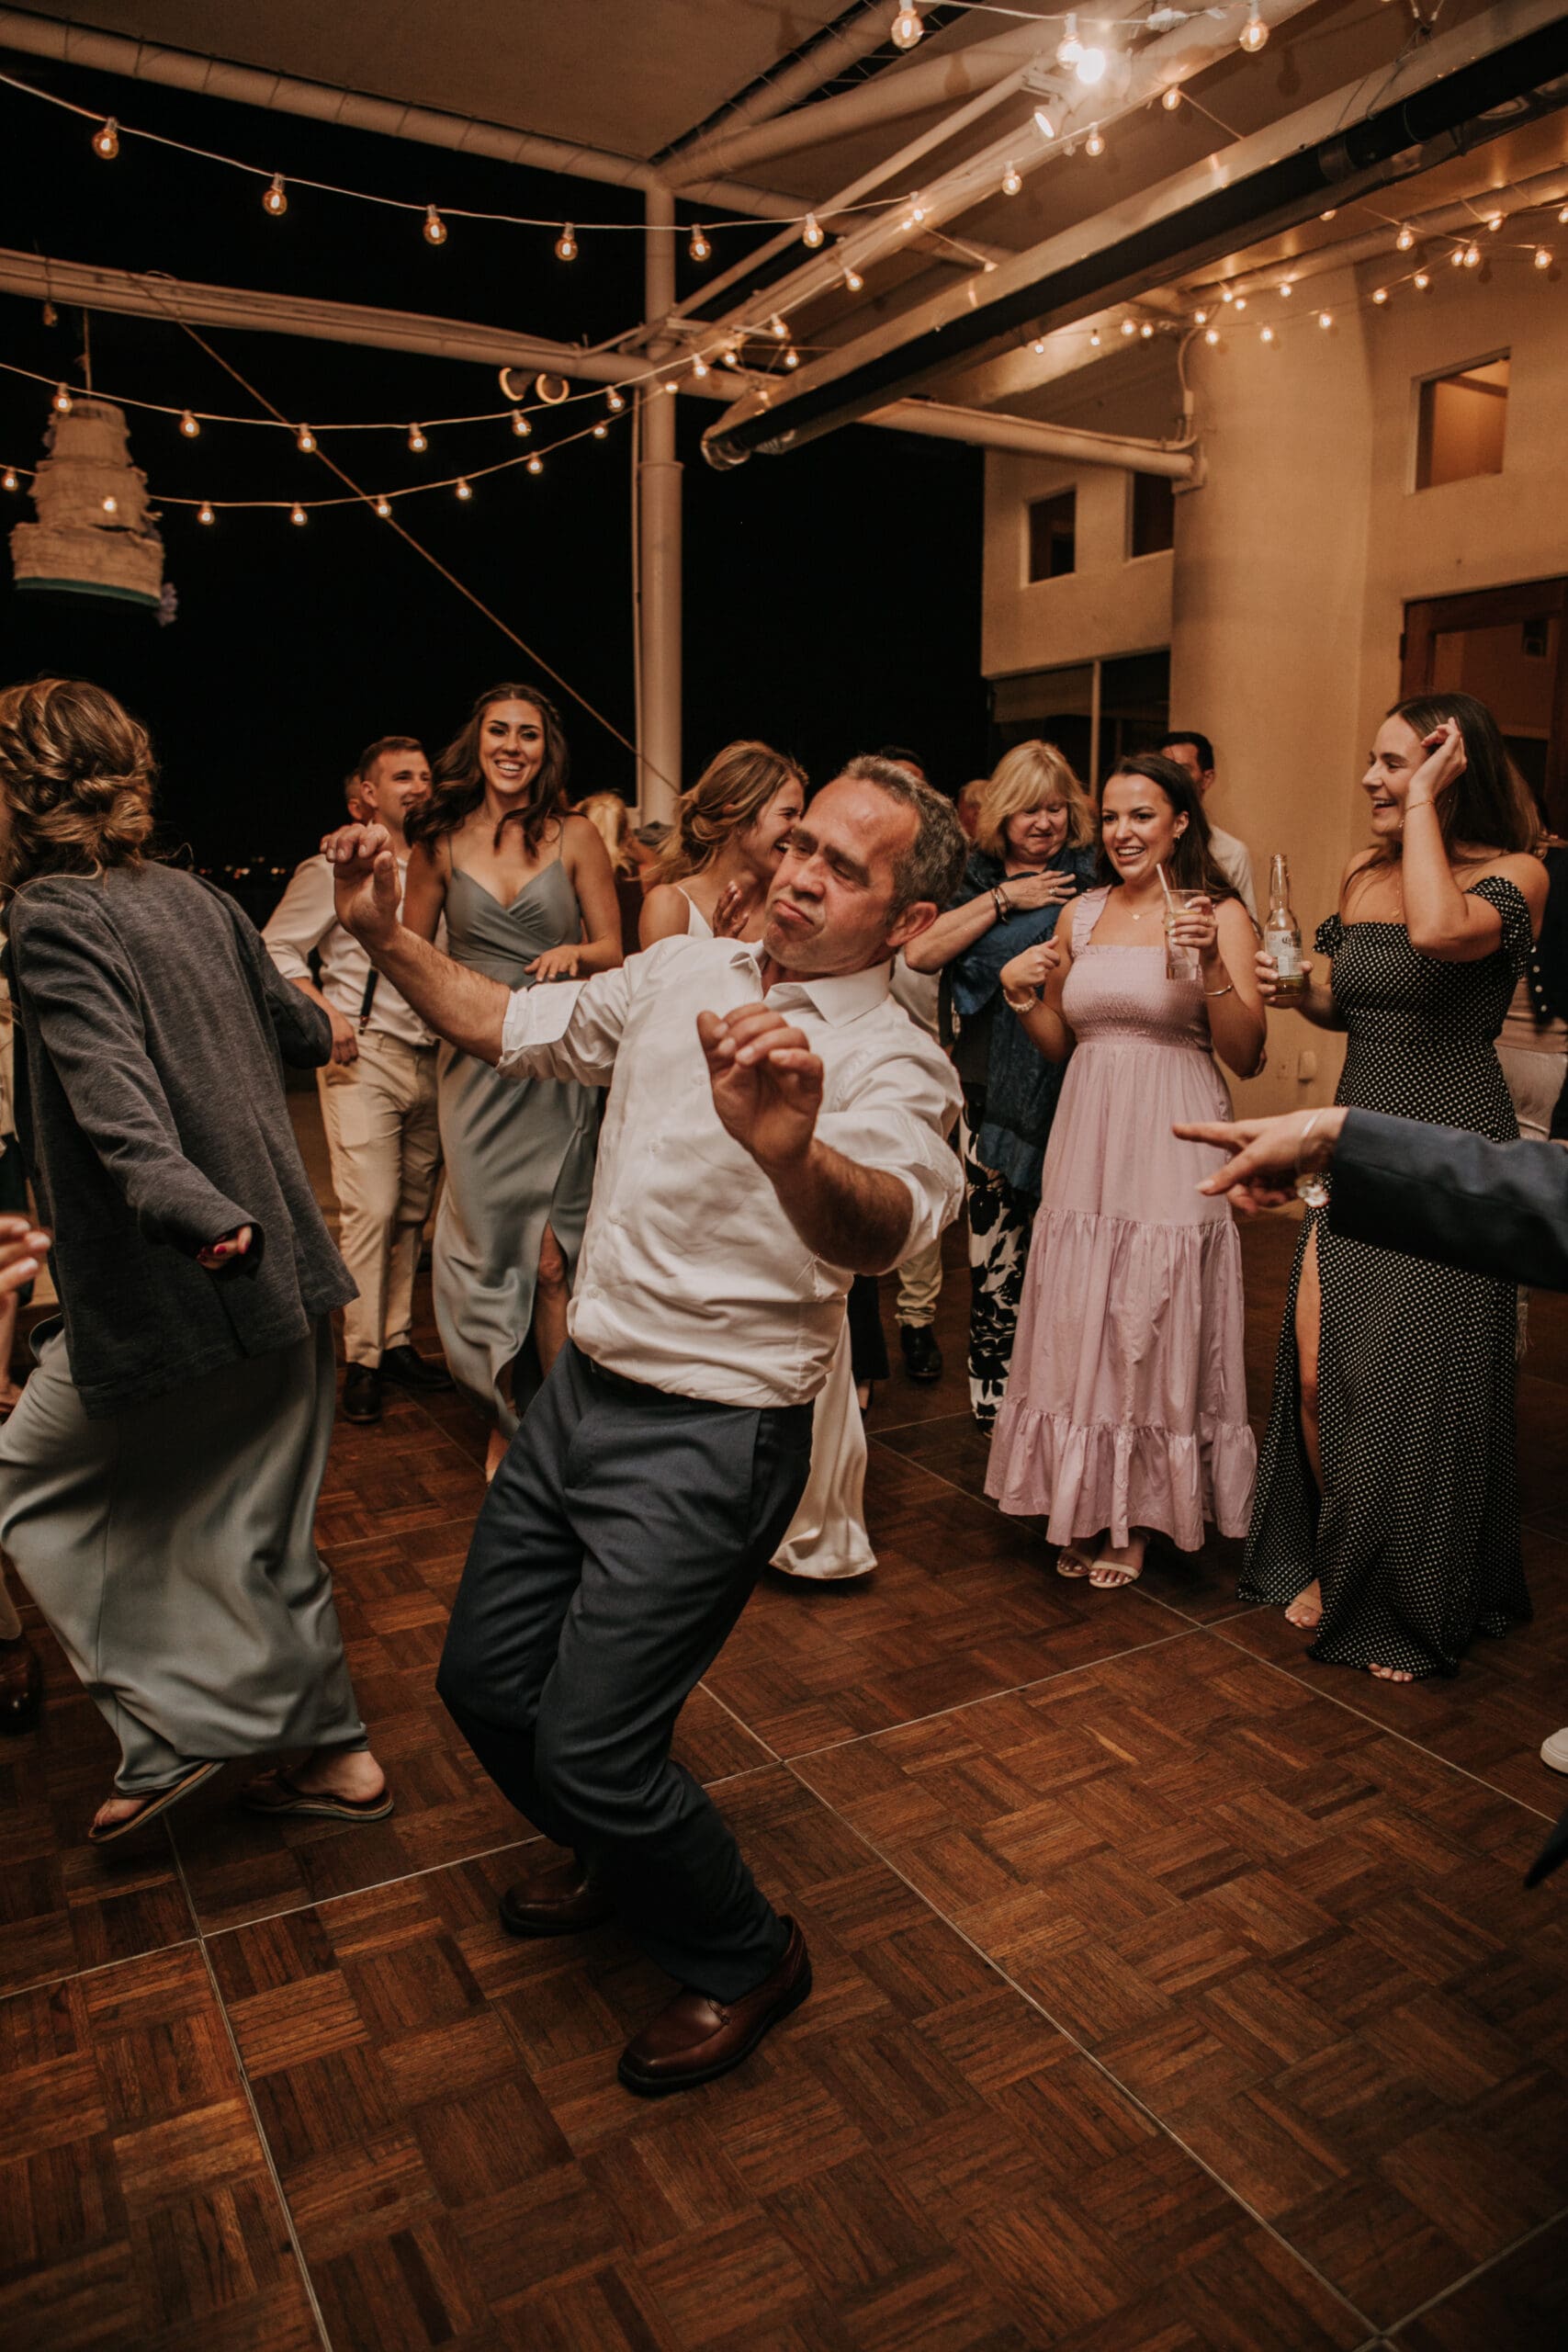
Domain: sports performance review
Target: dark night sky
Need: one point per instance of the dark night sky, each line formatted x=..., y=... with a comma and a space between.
x=832, y=597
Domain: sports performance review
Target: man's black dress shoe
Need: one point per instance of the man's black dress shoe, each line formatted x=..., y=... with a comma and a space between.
x=923, y=1357
x=362, y=1393
x=411, y=1370
x=695, y=2039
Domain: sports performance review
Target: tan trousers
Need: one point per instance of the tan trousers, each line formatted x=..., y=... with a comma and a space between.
x=379, y=1113
x=920, y=1285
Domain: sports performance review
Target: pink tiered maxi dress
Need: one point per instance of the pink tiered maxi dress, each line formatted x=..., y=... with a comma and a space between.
x=1126, y=1405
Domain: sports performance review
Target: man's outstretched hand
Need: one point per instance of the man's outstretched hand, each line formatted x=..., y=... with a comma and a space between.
x=365, y=880
x=767, y=1084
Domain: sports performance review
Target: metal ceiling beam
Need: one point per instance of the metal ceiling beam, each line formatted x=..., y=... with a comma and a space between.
x=212, y=77
x=1458, y=90
x=859, y=37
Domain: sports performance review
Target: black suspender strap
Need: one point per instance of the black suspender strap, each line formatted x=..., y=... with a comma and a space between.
x=368, y=999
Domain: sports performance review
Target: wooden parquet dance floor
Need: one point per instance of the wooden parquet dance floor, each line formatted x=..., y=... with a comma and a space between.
x=1171, y=1992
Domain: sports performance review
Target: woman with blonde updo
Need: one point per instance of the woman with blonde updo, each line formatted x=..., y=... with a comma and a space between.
x=158, y=1479
x=714, y=879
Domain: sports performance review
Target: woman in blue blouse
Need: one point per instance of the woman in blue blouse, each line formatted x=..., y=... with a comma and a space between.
x=1034, y=852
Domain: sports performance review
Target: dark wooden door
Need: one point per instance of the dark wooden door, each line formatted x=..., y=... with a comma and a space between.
x=1515, y=642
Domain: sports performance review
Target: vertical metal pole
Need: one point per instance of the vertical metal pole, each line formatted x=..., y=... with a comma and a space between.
x=658, y=518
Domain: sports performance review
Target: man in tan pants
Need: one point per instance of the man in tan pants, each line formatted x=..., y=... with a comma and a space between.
x=377, y=1094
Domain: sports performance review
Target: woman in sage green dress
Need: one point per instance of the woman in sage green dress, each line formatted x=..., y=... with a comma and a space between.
x=528, y=895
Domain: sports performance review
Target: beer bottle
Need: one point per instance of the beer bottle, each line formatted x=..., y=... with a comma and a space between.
x=1283, y=937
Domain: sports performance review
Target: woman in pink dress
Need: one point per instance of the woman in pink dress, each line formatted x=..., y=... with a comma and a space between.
x=1125, y=1412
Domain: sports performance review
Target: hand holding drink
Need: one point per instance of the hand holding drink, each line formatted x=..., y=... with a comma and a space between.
x=1282, y=941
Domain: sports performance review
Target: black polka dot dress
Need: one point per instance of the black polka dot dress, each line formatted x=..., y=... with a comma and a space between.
x=1416, y=1544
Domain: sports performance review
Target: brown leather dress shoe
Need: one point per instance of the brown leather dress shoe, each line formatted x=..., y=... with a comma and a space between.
x=561, y=1907
x=694, y=2039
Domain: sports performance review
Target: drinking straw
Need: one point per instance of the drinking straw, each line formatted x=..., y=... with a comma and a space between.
x=1170, y=898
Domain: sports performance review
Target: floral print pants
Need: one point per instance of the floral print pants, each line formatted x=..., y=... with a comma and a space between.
x=999, y=1223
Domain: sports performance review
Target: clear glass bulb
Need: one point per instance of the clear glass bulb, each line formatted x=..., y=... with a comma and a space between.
x=1240, y=302
x=812, y=233
x=699, y=366
x=699, y=248
x=111, y=505
x=105, y=141
x=1472, y=257
x=1406, y=238
x=1012, y=180
x=1094, y=144
x=8, y=479
x=1421, y=281
x=188, y=426
x=1213, y=335
x=383, y=508
x=1044, y=124
x=792, y=357
x=1544, y=256
x=1200, y=318
x=204, y=512
x=1286, y=287
x=907, y=27
x=565, y=244
x=535, y=464
x=1254, y=32
x=1172, y=98
x=435, y=227
x=1381, y=295
x=297, y=513
x=463, y=489
x=520, y=424
x=275, y=201
x=417, y=441
x=853, y=280
x=1267, y=336
x=1129, y=326
x=600, y=430
x=1069, y=48
x=1094, y=338
x=1325, y=318
x=615, y=400
x=62, y=401
x=305, y=440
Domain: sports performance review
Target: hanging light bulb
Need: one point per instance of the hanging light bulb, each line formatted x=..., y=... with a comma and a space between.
x=417, y=441
x=1544, y=256
x=1044, y=124
x=1457, y=257
x=1240, y=302
x=812, y=233
x=463, y=487
x=777, y=329
x=1226, y=294
x=600, y=430
x=1381, y=295
x=1472, y=257
x=297, y=513
x=275, y=201
x=1495, y=221
x=1213, y=335
x=1331, y=214
x=1287, y=288
x=699, y=366
x=1254, y=34
x=613, y=400
x=853, y=280
x=907, y=28
x=1145, y=331
x=1171, y=98
x=384, y=508
x=565, y=244
x=1091, y=67
x=111, y=505
x=62, y=401
x=670, y=384
x=916, y=214
x=1421, y=281
x=204, y=512
x=1406, y=238
x=435, y=227
x=699, y=248
x=305, y=441
x=732, y=357
x=1069, y=48
x=520, y=424
x=1129, y=326
x=1266, y=336
x=1094, y=338
x=1562, y=217
x=188, y=424
x=1039, y=345
x=1200, y=318
x=106, y=140
x=792, y=357
x=1325, y=318
x=8, y=479
x=1012, y=180
x=535, y=464
x=1094, y=144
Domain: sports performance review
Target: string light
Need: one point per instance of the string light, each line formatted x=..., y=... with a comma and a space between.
x=1094, y=338
x=777, y=329
x=1012, y=180
x=1266, y=336
x=1381, y=295
x=105, y=142
x=1213, y=335
x=852, y=279
x=535, y=464
x=1254, y=34
x=1239, y=302
x=812, y=233
x=464, y=488
x=1044, y=124
x=613, y=400
x=1457, y=257
x=1287, y=288
x=1039, y=344
x=1129, y=326
x=1171, y=98
x=8, y=479
x=1094, y=144
x=699, y=248
x=600, y=430
x=792, y=357
x=1495, y=221
x=907, y=27
x=670, y=384
x=1200, y=318
x=1332, y=214
x=1544, y=256
x=111, y=505
x=417, y=441
x=1325, y=318
x=1069, y=48
x=732, y=358
x=188, y=424
x=1406, y=238
x=1472, y=257
x=520, y=424
x=305, y=441
x=699, y=366
x=1421, y=281
x=916, y=214
x=384, y=508
x=565, y=244
x=1562, y=217
x=297, y=513
x=1145, y=331
x=435, y=227
x=204, y=512
x=62, y=401
x=275, y=201
x=1226, y=295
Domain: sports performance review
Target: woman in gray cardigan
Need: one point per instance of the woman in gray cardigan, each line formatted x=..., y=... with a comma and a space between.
x=158, y=1481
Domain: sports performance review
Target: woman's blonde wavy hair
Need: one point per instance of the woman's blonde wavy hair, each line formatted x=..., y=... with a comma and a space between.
x=731, y=794
x=77, y=775
x=1024, y=779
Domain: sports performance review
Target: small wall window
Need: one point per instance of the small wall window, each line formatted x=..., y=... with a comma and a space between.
x=1053, y=535
x=1460, y=425
x=1153, y=525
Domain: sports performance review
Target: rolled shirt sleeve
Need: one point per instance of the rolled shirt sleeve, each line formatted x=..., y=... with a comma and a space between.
x=567, y=1029
x=902, y=1112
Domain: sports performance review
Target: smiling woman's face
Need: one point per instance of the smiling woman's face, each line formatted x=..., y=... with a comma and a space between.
x=1139, y=826
x=1396, y=755
x=512, y=747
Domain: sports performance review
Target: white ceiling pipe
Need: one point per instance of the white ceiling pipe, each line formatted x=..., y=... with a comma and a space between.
x=902, y=91
x=214, y=77
x=1067, y=351
x=1021, y=434
x=858, y=39
x=1331, y=115
x=1130, y=83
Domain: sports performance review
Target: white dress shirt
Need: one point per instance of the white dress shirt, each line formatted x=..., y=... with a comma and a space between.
x=692, y=1279
x=1235, y=861
x=305, y=922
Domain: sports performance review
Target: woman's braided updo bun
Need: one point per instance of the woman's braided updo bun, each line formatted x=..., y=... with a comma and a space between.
x=76, y=774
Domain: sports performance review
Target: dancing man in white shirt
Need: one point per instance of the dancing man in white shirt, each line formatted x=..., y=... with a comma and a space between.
x=774, y=1125
x=378, y=1092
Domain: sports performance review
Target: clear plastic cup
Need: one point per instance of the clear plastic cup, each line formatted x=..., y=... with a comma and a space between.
x=1181, y=963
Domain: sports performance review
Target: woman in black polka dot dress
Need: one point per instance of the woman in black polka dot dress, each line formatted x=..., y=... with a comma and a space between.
x=1386, y=1518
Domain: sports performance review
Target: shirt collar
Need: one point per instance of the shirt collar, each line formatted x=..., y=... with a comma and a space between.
x=839, y=997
